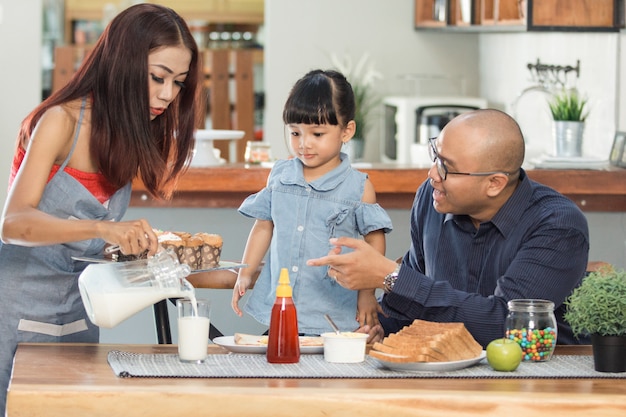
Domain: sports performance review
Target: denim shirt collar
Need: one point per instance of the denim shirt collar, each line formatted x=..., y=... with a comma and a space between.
x=293, y=175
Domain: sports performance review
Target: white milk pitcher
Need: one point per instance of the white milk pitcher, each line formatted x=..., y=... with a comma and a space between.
x=112, y=292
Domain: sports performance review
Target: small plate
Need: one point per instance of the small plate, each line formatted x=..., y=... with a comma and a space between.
x=228, y=342
x=432, y=366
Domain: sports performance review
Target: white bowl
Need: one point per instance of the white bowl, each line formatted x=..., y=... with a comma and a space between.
x=347, y=347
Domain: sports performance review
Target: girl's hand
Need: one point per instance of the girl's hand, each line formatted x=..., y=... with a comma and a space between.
x=367, y=308
x=239, y=290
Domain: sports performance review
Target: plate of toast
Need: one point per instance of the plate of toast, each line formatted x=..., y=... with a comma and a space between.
x=246, y=343
x=429, y=346
x=431, y=366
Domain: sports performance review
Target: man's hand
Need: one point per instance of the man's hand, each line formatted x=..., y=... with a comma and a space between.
x=363, y=268
x=376, y=333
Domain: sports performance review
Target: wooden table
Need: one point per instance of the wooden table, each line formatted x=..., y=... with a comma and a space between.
x=75, y=380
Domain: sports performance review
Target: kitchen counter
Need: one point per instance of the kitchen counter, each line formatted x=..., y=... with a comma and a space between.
x=76, y=380
x=227, y=185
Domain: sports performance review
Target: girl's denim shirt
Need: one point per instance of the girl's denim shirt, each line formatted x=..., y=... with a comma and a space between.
x=305, y=217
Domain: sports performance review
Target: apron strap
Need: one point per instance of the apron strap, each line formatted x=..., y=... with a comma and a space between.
x=80, y=121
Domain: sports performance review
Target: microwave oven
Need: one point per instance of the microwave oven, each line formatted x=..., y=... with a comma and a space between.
x=410, y=121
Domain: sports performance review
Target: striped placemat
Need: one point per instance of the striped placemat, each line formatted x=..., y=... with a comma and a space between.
x=231, y=365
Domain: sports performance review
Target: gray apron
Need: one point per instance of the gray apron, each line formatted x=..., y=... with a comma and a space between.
x=39, y=297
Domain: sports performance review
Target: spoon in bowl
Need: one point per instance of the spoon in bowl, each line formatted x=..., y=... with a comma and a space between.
x=332, y=324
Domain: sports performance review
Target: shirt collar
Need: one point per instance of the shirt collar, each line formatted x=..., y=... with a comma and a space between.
x=293, y=175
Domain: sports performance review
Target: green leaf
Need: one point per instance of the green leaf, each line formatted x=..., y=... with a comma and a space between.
x=598, y=305
x=569, y=106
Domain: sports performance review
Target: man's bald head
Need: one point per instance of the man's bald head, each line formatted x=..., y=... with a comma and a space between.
x=494, y=138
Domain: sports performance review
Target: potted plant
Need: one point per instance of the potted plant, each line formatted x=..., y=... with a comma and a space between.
x=569, y=111
x=362, y=77
x=597, y=308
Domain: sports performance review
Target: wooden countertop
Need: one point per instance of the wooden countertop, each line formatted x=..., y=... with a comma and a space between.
x=228, y=185
x=75, y=380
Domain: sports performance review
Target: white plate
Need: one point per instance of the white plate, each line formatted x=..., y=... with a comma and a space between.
x=432, y=366
x=228, y=342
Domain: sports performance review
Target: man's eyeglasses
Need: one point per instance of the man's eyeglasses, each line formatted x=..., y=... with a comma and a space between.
x=442, y=169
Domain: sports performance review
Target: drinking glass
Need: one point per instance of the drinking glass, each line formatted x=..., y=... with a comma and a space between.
x=193, y=329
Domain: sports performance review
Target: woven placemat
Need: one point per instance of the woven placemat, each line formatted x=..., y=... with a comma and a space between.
x=130, y=364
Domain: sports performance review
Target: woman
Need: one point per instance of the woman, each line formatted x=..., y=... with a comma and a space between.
x=128, y=111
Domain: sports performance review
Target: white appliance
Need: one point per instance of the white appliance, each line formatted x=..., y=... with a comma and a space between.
x=410, y=121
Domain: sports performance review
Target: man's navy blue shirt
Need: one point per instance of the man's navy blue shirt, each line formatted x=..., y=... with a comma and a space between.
x=536, y=246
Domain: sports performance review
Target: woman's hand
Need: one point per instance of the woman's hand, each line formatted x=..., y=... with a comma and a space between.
x=134, y=237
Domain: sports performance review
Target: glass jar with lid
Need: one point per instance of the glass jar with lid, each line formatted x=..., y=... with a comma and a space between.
x=257, y=152
x=532, y=324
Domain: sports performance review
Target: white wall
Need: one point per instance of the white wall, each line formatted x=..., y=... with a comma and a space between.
x=300, y=35
x=504, y=74
x=20, y=72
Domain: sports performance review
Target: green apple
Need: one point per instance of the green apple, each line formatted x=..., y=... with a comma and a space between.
x=504, y=354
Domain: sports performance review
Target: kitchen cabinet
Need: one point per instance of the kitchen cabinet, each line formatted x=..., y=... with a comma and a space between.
x=520, y=15
x=241, y=12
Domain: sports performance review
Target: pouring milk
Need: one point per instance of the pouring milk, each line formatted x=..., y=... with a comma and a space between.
x=113, y=292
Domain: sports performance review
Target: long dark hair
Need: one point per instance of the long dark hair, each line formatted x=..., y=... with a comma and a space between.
x=124, y=141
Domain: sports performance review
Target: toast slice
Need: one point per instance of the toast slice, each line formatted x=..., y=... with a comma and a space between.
x=425, y=341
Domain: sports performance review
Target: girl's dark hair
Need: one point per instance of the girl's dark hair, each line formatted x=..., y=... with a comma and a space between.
x=320, y=97
x=124, y=141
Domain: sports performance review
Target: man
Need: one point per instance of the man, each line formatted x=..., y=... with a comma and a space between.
x=482, y=234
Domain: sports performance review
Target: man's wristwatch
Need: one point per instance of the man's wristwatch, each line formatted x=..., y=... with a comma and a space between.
x=390, y=280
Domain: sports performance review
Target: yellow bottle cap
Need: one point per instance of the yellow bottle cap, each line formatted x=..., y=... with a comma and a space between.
x=284, y=289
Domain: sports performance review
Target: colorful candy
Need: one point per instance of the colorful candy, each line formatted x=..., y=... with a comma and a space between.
x=537, y=344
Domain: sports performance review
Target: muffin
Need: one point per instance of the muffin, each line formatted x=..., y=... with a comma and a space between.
x=211, y=250
x=170, y=240
x=191, y=252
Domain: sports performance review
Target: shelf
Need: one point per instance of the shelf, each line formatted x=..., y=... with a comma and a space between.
x=228, y=185
x=519, y=15
x=213, y=11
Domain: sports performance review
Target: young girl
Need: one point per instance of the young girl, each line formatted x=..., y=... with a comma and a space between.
x=309, y=199
x=128, y=111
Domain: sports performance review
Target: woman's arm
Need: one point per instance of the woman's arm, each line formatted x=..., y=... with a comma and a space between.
x=24, y=224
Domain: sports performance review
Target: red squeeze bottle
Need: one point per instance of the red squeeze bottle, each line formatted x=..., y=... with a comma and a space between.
x=283, y=344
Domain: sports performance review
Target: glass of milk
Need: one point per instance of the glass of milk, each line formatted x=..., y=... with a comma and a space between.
x=193, y=329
